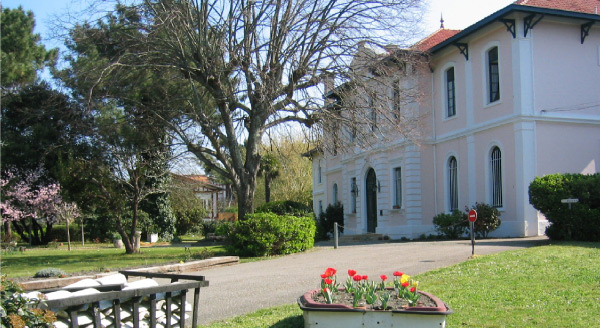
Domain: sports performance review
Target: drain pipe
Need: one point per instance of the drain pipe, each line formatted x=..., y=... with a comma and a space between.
x=434, y=136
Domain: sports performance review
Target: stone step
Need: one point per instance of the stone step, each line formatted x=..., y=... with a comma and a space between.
x=361, y=237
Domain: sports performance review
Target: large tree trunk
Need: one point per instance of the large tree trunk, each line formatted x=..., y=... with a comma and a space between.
x=126, y=241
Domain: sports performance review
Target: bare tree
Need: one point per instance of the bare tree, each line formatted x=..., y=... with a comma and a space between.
x=262, y=64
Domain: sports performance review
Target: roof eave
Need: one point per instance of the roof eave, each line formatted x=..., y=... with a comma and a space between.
x=506, y=11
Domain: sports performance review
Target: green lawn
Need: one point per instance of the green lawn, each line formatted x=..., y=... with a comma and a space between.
x=95, y=258
x=548, y=286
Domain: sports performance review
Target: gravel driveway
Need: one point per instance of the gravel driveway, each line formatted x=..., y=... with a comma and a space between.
x=247, y=287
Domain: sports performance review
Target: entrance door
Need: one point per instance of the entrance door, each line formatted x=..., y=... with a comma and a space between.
x=371, y=201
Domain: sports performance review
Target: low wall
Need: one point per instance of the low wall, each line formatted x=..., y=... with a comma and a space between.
x=178, y=267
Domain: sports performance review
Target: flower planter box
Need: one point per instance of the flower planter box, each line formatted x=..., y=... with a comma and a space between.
x=318, y=315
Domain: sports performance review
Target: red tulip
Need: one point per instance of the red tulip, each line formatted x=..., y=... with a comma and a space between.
x=351, y=273
x=324, y=275
x=383, y=277
x=325, y=290
x=398, y=274
x=412, y=290
x=357, y=277
x=365, y=277
x=328, y=281
x=330, y=272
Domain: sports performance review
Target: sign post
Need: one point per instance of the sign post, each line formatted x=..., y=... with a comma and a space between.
x=472, y=219
x=570, y=201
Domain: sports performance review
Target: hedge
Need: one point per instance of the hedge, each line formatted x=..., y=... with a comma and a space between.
x=286, y=207
x=263, y=234
x=582, y=221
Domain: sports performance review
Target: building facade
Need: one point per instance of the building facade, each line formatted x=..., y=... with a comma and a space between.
x=512, y=97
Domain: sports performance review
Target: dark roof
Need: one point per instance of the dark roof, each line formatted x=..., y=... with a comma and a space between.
x=574, y=9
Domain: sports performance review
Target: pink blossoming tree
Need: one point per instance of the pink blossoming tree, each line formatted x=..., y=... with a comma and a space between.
x=28, y=203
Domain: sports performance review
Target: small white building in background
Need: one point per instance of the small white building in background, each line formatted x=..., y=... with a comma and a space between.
x=214, y=195
x=512, y=97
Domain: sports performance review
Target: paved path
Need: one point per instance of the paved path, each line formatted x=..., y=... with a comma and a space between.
x=247, y=287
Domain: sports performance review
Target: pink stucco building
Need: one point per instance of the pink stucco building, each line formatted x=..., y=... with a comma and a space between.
x=512, y=97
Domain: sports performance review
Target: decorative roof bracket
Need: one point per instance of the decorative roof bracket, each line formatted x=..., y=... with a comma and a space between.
x=463, y=48
x=585, y=30
x=530, y=21
x=510, y=26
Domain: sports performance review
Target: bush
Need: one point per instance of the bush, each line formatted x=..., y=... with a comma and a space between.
x=582, y=221
x=286, y=207
x=13, y=237
x=333, y=213
x=189, y=220
x=488, y=219
x=452, y=225
x=49, y=272
x=20, y=311
x=59, y=233
x=263, y=234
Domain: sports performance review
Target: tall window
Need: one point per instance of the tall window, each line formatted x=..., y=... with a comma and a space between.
x=496, y=177
x=450, y=93
x=493, y=75
x=335, y=193
x=353, y=194
x=396, y=99
x=319, y=173
x=373, y=115
x=320, y=208
x=453, y=183
x=397, y=187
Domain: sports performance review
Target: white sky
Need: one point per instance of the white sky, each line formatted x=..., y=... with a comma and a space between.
x=458, y=14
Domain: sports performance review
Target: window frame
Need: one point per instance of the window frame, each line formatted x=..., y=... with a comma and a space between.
x=397, y=176
x=450, y=92
x=452, y=179
x=334, y=192
x=496, y=189
x=493, y=74
x=353, y=194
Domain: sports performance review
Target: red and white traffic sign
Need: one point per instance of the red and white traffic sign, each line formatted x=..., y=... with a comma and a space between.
x=472, y=216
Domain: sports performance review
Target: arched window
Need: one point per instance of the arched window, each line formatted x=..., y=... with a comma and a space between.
x=450, y=93
x=334, y=193
x=493, y=75
x=496, y=177
x=452, y=183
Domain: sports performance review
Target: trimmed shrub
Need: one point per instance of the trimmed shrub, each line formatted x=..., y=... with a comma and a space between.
x=333, y=213
x=49, y=272
x=452, y=226
x=189, y=220
x=59, y=233
x=488, y=219
x=582, y=221
x=263, y=234
x=286, y=207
